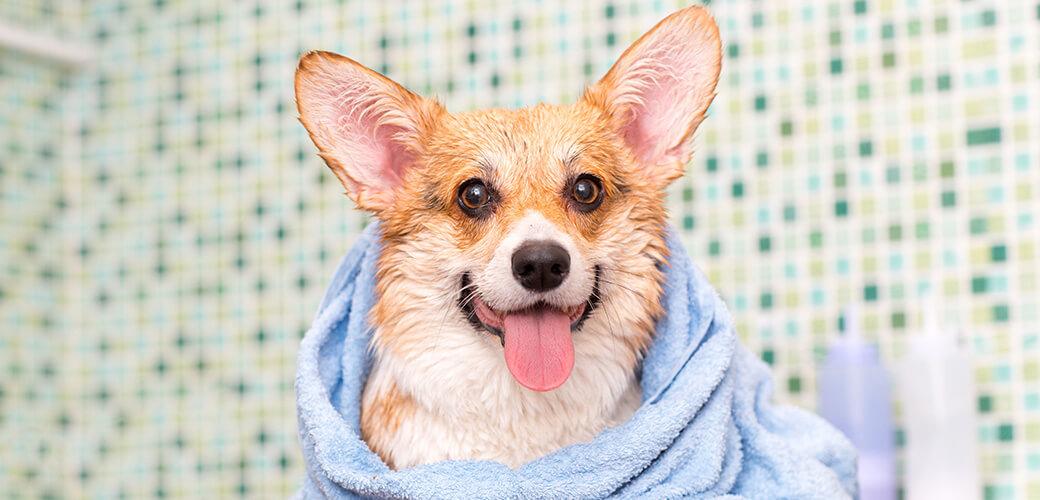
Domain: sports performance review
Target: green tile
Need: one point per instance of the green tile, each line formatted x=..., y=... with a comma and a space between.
x=916, y=85
x=942, y=82
x=888, y=31
x=998, y=253
x=898, y=320
x=988, y=18
x=980, y=136
x=941, y=25
x=892, y=175
x=913, y=28
x=816, y=239
x=977, y=225
x=1001, y=314
x=978, y=284
x=863, y=91
x=794, y=385
x=922, y=231
x=1006, y=432
x=985, y=404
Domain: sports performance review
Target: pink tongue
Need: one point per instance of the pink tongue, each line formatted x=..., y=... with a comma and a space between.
x=539, y=351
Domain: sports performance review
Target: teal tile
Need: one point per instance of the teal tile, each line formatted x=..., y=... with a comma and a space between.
x=1001, y=313
x=985, y=404
x=983, y=136
x=841, y=208
x=1006, y=432
x=998, y=253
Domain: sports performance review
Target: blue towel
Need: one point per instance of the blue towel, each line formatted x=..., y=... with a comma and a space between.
x=706, y=428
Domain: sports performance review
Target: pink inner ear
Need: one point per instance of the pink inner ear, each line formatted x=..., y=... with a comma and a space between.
x=363, y=129
x=656, y=118
x=665, y=85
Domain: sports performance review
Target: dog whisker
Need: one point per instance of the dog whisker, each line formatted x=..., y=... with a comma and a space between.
x=619, y=285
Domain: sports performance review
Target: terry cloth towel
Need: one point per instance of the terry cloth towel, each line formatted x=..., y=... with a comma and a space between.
x=706, y=428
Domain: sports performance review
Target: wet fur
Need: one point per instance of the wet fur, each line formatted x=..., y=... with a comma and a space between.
x=439, y=388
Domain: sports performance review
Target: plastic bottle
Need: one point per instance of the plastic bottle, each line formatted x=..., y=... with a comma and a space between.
x=938, y=390
x=855, y=397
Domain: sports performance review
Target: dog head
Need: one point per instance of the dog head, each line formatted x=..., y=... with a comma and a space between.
x=535, y=234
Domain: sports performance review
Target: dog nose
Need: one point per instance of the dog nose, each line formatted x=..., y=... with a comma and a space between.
x=541, y=265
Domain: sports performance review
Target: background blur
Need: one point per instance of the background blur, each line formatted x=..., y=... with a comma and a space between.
x=166, y=228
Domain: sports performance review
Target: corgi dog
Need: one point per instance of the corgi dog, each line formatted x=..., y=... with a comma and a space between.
x=523, y=250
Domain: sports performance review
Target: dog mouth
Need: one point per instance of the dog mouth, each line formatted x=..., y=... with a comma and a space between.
x=483, y=317
x=536, y=339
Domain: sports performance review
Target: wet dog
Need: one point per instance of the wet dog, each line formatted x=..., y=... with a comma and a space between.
x=521, y=271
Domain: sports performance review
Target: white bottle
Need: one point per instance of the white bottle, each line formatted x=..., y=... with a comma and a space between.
x=938, y=388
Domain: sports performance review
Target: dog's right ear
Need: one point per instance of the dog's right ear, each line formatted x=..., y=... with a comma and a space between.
x=367, y=127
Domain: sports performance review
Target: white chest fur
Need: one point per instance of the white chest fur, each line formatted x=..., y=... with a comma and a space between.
x=457, y=400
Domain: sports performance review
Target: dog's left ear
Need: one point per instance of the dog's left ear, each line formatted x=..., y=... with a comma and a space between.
x=658, y=91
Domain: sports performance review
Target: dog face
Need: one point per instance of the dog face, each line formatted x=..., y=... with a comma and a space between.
x=534, y=236
x=532, y=213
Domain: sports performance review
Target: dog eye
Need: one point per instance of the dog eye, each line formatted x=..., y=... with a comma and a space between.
x=587, y=191
x=473, y=195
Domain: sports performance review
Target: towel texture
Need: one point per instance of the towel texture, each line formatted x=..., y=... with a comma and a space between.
x=706, y=428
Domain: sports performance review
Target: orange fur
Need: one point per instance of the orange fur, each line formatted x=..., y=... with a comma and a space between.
x=528, y=157
x=383, y=416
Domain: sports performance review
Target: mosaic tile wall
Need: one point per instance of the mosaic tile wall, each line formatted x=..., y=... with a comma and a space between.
x=34, y=402
x=166, y=228
x=31, y=209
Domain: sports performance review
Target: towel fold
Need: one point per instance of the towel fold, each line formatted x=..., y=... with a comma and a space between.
x=706, y=428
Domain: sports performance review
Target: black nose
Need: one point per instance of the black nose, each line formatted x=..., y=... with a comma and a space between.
x=541, y=265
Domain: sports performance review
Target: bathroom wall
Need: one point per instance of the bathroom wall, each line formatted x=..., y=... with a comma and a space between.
x=34, y=402
x=166, y=229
